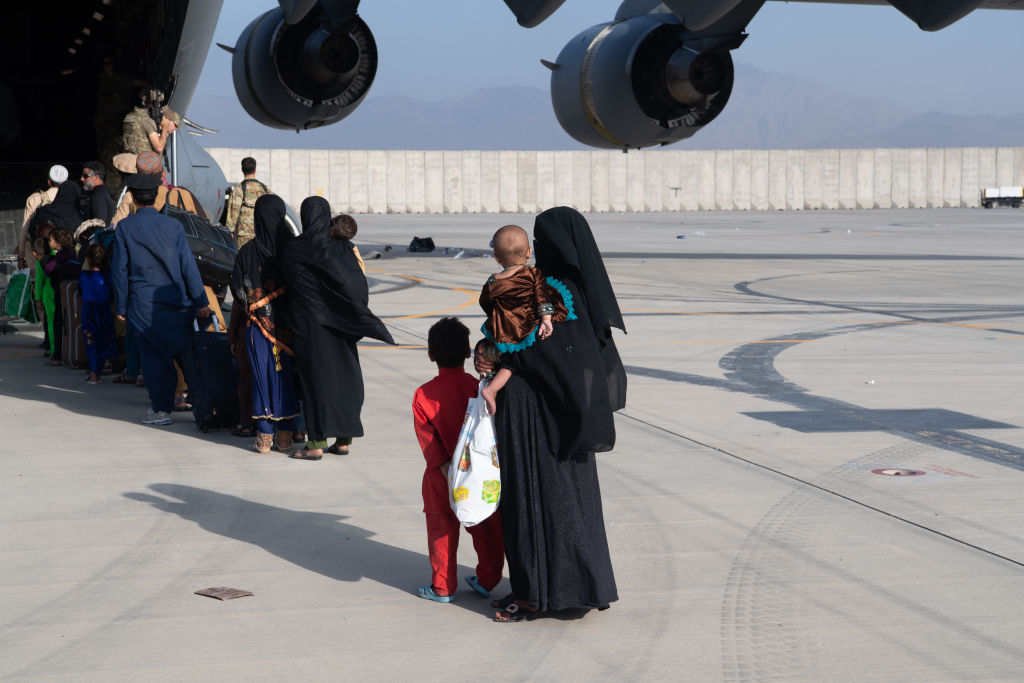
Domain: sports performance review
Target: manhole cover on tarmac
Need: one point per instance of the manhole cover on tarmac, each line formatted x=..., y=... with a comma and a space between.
x=898, y=472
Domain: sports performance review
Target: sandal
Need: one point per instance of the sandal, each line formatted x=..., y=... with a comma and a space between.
x=306, y=454
x=299, y=437
x=428, y=593
x=514, y=612
x=283, y=441
x=124, y=379
x=181, y=405
x=263, y=443
x=338, y=448
x=242, y=430
x=504, y=602
x=474, y=583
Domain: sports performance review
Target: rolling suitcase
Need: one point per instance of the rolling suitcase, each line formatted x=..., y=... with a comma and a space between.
x=212, y=377
x=73, y=350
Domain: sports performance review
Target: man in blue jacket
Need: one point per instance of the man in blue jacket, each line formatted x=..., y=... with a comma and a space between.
x=158, y=289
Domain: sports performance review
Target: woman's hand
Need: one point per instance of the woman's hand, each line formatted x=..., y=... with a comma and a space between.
x=546, y=328
x=482, y=365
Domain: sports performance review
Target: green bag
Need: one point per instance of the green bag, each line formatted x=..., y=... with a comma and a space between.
x=17, y=300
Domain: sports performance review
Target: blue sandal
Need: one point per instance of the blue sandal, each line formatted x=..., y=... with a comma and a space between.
x=427, y=593
x=474, y=583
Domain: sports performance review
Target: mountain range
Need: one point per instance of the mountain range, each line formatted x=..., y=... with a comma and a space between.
x=766, y=111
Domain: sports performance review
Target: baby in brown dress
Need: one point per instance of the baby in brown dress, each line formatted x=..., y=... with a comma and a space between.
x=520, y=305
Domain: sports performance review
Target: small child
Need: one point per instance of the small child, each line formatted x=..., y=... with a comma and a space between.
x=97, y=316
x=63, y=266
x=344, y=227
x=43, y=292
x=519, y=303
x=438, y=409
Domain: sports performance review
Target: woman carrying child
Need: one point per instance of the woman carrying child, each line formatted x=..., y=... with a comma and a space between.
x=259, y=290
x=553, y=414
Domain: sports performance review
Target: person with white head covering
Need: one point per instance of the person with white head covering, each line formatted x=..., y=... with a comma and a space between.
x=54, y=177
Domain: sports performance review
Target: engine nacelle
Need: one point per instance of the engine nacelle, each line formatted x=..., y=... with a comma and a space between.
x=637, y=83
x=305, y=75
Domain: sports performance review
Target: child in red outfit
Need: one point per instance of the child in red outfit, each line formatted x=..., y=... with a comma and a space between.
x=438, y=409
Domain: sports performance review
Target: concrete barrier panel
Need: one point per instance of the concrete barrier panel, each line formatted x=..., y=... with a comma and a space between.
x=1018, y=166
x=952, y=174
x=339, y=170
x=918, y=178
x=778, y=164
x=707, y=188
x=970, y=188
x=901, y=178
x=671, y=169
x=883, y=179
x=415, y=181
x=433, y=181
x=847, y=179
x=280, y=177
x=527, y=192
x=581, y=180
x=358, y=194
x=617, y=185
x=741, y=179
x=545, y=180
x=490, y=181
x=301, y=187
x=320, y=175
x=634, y=180
x=795, y=180
x=723, y=180
x=830, y=178
x=654, y=181
x=813, y=168
x=563, y=178
x=987, y=167
x=396, y=181
x=377, y=181
x=865, y=178
x=760, y=170
x=508, y=189
x=471, y=197
x=452, y=181
x=936, y=165
x=1004, y=166
x=599, y=193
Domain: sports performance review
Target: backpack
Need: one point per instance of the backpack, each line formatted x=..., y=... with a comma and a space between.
x=244, y=187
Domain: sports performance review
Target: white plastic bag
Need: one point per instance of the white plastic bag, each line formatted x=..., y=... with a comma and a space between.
x=474, y=477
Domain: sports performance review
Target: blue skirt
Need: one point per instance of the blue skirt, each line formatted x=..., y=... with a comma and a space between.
x=273, y=392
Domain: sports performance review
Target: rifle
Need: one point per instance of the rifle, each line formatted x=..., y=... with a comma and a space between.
x=156, y=111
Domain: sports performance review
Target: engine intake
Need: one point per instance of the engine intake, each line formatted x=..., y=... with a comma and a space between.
x=636, y=83
x=305, y=75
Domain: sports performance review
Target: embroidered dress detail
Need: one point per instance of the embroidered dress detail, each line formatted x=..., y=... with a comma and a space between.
x=545, y=309
x=566, y=295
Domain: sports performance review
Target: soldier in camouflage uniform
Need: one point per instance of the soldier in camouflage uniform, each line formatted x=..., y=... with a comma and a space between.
x=242, y=201
x=139, y=129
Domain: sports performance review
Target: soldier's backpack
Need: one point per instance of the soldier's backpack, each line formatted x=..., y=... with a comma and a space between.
x=249, y=198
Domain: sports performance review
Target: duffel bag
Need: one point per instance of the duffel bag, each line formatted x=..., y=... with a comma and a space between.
x=212, y=245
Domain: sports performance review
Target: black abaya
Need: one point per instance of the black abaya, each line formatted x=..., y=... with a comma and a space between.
x=550, y=510
x=328, y=312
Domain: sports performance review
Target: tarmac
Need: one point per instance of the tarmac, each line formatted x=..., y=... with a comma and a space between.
x=817, y=476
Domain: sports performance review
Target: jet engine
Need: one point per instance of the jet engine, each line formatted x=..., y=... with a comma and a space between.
x=312, y=73
x=639, y=82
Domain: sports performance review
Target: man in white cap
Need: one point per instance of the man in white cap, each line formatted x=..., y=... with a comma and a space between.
x=57, y=175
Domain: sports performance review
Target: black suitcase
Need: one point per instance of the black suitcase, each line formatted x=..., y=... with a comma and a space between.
x=212, y=245
x=212, y=376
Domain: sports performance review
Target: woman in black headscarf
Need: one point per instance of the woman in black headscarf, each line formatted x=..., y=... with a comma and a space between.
x=62, y=211
x=258, y=286
x=329, y=313
x=554, y=413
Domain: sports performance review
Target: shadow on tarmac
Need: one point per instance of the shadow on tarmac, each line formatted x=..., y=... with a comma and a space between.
x=319, y=542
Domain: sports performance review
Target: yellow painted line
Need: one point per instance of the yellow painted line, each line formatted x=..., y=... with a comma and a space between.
x=474, y=296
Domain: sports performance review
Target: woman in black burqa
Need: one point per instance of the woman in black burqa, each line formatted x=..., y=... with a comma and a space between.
x=328, y=310
x=552, y=416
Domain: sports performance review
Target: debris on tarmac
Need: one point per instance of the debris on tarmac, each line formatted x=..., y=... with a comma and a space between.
x=222, y=593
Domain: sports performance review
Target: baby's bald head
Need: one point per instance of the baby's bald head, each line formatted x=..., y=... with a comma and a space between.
x=511, y=245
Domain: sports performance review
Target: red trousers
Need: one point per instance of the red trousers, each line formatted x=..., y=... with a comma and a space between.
x=443, y=542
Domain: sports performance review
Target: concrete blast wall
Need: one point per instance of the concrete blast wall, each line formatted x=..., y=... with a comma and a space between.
x=360, y=181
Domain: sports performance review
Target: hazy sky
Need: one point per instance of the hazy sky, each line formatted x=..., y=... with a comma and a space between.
x=445, y=49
